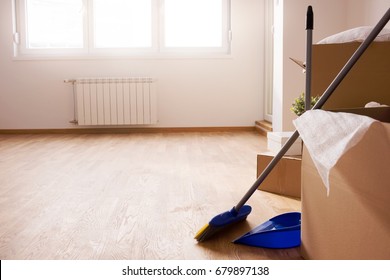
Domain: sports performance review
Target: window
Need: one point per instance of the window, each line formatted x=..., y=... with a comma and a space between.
x=121, y=27
x=193, y=23
x=122, y=23
x=54, y=24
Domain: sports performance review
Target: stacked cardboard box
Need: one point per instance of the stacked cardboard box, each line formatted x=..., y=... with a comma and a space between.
x=368, y=80
x=353, y=221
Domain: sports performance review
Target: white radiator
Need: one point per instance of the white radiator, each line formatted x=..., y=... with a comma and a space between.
x=115, y=101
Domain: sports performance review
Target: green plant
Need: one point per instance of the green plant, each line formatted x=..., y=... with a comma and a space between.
x=298, y=107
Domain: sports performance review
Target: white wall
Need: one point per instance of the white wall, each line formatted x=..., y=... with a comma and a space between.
x=366, y=12
x=191, y=92
x=330, y=17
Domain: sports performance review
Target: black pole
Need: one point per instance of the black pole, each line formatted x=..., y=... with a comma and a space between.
x=309, y=43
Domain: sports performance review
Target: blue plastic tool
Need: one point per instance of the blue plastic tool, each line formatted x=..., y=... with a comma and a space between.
x=280, y=232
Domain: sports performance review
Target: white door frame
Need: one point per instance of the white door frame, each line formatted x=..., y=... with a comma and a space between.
x=268, y=59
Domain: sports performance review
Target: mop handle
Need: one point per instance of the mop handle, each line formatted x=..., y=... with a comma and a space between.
x=309, y=43
x=344, y=71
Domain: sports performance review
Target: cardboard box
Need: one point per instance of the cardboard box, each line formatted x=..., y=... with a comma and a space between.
x=285, y=178
x=368, y=80
x=353, y=222
x=276, y=140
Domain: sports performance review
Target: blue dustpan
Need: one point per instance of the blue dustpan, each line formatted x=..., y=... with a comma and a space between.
x=280, y=232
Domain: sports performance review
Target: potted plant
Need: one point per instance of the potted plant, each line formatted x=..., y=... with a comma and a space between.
x=298, y=107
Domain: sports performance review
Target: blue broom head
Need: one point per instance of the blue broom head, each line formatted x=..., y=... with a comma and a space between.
x=230, y=217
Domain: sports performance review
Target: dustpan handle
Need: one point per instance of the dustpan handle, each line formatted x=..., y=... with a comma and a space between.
x=328, y=92
x=309, y=43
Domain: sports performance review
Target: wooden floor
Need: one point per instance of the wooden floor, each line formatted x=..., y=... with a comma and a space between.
x=130, y=196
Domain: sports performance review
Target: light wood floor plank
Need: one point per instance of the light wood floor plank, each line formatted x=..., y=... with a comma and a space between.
x=130, y=196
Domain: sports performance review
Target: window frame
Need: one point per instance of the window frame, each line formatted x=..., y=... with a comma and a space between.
x=88, y=51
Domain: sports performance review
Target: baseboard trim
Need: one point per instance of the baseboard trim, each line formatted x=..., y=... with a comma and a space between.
x=121, y=130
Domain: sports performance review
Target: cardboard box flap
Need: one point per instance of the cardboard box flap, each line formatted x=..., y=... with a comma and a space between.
x=381, y=114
